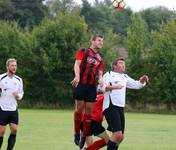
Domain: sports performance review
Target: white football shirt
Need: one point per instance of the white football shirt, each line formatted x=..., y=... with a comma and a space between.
x=9, y=85
x=117, y=96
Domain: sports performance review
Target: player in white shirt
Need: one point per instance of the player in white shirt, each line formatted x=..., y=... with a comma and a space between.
x=11, y=89
x=114, y=100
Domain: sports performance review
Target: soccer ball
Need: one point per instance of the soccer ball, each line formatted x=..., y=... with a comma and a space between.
x=118, y=4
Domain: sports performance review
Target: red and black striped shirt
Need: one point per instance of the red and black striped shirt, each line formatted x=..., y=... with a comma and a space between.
x=91, y=64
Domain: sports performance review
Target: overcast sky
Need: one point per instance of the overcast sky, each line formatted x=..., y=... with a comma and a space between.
x=137, y=5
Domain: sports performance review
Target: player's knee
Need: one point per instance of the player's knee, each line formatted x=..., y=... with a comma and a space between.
x=122, y=138
x=79, y=108
x=14, y=131
x=118, y=136
x=2, y=133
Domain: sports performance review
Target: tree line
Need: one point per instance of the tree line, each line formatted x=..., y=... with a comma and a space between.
x=44, y=37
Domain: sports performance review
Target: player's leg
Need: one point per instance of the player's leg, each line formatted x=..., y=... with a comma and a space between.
x=78, y=115
x=98, y=130
x=3, y=123
x=87, y=118
x=104, y=136
x=89, y=140
x=2, y=132
x=115, y=140
x=113, y=118
x=86, y=123
x=99, y=143
x=119, y=135
x=78, y=95
x=12, y=136
x=90, y=97
x=13, y=128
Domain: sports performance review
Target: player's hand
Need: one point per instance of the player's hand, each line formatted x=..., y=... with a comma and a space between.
x=75, y=82
x=144, y=78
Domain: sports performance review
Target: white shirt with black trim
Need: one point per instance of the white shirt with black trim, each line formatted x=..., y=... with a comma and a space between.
x=117, y=96
x=8, y=85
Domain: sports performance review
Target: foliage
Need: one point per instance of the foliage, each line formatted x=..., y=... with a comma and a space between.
x=12, y=43
x=110, y=49
x=155, y=17
x=57, y=7
x=45, y=36
x=136, y=42
x=100, y=17
x=25, y=12
x=162, y=64
x=54, y=44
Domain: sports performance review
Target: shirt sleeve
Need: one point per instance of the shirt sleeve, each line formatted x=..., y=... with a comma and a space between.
x=134, y=84
x=20, y=91
x=80, y=54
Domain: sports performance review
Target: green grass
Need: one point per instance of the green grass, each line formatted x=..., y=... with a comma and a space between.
x=53, y=130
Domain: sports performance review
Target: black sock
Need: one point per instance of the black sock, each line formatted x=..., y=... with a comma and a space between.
x=112, y=146
x=11, y=141
x=1, y=140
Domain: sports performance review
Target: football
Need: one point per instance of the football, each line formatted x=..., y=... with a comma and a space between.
x=118, y=4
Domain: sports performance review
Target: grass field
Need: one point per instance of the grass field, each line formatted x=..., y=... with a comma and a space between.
x=53, y=130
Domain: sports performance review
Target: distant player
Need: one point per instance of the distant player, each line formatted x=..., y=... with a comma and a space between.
x=88, y=70
x=11, y=87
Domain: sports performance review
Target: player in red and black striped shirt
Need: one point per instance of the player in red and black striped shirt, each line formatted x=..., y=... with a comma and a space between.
x=88, y=70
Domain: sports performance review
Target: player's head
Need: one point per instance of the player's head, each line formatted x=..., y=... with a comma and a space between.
x=97, y=41
x=11, y=65
x=119, y=65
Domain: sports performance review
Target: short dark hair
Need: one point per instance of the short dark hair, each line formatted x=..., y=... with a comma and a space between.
x=115, y=62
x=95, y=36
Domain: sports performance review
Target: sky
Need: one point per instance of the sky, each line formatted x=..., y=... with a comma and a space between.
x=137, y=5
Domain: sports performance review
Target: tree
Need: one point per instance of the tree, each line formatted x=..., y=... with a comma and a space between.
x=136, y=42
x=155, y=17
x=25, y=12
x=57, y=7
x=54, y=45
x=101, y=17
x=110, y=48
x=12, y=43
x=162, y=64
